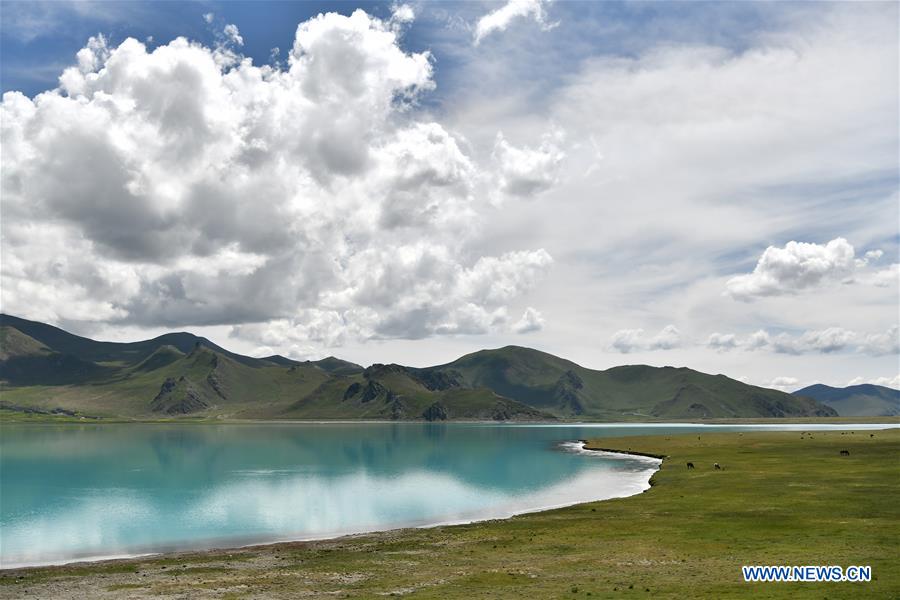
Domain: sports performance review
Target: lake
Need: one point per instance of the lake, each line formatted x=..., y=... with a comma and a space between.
x=73, y=491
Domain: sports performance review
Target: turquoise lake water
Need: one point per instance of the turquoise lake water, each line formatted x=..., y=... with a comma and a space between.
x=71, y=492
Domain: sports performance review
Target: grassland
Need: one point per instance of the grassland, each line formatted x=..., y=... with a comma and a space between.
x=782, y=498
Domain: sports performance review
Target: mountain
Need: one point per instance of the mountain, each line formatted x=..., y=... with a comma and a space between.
x=118, y=353
x=47, y=370
x=866, y=400
x=565, y=388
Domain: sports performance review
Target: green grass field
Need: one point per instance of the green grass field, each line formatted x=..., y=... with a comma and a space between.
x=782, y=498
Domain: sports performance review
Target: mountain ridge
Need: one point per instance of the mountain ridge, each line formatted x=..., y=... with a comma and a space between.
x=180, y=374
x=863, y=400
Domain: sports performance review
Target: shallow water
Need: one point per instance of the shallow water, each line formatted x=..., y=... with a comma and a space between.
x=84, y=491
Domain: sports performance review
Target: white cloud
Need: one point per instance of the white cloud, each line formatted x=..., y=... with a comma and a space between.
x=633, y=340
x=233, y=35
x=690, y=182
x=666, y=339
x=531, y=320
x=796, y=267
x=499, y=20
x=186, y=186
x=887, y=277
x=785, y=384
x=818, y=341
x=825, y=341
x=722, y=341
x=627, y=340
x=402, y=13
x=94, y=54
x=525, y=171
x=208, y=17
x=882, y=343
x=757, y=339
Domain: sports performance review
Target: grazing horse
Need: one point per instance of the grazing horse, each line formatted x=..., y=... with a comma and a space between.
x=690, y=465
x=717, y=467
x=845, y=453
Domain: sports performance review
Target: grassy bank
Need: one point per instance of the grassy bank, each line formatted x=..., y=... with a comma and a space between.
x=782, y=498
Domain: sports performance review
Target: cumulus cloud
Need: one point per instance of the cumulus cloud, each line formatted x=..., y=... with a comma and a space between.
x=820, y=341
x=633, y=340
x=402, y=13
x=532, y=320
x=722, y=341
x=666, y=339
x=627, y=340
x=233, y=35
x=300, y=337
x=825, y=341
x=94, y=54
x=891, y=382
x=525, y=171
x=307, y=204
x=499, y=20
x=785, y=384
x=889, y=276
x=798, y=266
x=882, y=343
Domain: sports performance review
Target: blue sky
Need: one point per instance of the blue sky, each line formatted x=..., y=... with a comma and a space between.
x=711, y=184
x=38, y=39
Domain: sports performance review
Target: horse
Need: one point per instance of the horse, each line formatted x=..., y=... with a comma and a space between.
x=690, y=465
x=717, y=467
x=845, y=453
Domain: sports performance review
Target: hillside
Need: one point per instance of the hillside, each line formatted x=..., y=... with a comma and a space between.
x=116, y=353
x=45, y=369
x=866, y=400
x=567, y=389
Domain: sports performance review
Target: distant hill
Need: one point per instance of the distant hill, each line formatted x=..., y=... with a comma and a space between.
x=567, y=389
x=46, y=369
x=866, y=400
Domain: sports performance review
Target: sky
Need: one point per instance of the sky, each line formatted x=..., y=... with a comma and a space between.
x=703, y=184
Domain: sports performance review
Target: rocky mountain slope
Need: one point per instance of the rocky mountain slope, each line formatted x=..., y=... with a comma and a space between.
x=45, y=369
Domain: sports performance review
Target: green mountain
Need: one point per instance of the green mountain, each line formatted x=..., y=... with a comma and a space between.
x=634, y=391
x=864, y=400
x=45, y=369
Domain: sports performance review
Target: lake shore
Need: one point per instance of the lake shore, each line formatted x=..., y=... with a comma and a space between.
x=15, y=416
x=782, y=498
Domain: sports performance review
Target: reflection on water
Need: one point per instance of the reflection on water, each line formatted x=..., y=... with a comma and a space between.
x=72, y=491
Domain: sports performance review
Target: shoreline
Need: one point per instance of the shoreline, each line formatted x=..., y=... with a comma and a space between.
x=660, y=457
x=164, y=553
x=9, y=417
